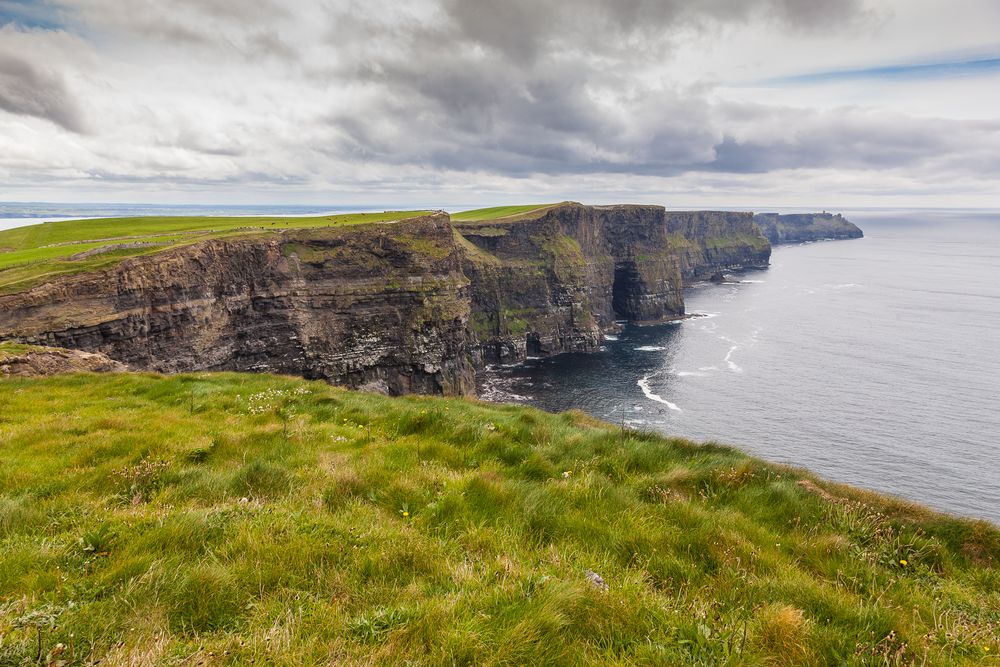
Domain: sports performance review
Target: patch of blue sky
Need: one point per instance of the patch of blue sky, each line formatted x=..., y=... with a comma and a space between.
x=37, y=14
x=933, y=70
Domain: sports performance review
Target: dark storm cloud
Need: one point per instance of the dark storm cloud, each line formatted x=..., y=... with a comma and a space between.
x=30, y=90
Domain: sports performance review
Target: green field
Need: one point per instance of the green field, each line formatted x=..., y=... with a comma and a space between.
x=498, y=212
x=224, y=519
x=31, y=254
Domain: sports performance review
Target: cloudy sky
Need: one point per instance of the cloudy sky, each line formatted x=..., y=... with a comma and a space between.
x=817, y=103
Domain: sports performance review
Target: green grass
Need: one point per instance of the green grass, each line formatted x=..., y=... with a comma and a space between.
x=31, y=254
x=497, y=212
x=249, y=519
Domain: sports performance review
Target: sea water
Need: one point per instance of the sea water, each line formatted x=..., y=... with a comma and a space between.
x=874, y=362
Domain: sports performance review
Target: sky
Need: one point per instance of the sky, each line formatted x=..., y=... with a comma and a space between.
x=444, y=103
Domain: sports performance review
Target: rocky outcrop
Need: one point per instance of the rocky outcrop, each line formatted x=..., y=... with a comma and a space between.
x=382, y=307
x=802, y=227
x=408, y=307
x=38, y=361
x=554, y=282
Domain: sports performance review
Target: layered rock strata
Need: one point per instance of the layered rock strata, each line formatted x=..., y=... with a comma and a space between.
x=382, y=307
x=555, y=282
x=408, y=307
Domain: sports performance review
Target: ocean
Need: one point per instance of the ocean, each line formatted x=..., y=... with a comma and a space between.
x=873, y=362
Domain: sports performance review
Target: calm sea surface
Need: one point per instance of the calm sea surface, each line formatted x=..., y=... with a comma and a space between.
x=874, y=362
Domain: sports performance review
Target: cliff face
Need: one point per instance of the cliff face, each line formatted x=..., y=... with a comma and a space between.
x=801, y=227
x=711, y=242
x=555, y=282
x=381, y=307
x=407, y=307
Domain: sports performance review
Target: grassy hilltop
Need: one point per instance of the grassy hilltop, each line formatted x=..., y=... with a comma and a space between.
x=250, y=519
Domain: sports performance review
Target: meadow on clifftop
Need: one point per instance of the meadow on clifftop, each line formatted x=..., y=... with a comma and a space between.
x=253, y=519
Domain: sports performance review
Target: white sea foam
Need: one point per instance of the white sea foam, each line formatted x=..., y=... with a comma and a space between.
x=649, y=348
x=609, y=337
x=644, y=385
x=708, y=368
x=685, y=374
x=752, y=282
x=498, y=389
x=730, y=363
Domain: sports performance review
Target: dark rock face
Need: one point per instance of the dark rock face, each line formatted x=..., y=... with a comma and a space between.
x=711, y=242
x=801, y=227
x=407, y=307
x=556, y=282
x=382, y=307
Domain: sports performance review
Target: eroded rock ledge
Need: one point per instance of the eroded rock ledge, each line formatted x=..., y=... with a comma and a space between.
x=408, y=307
x=39, y=361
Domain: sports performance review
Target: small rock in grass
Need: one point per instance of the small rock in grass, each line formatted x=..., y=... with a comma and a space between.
x=597, y=581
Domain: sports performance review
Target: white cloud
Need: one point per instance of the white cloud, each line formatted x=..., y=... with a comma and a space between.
x=454, y=101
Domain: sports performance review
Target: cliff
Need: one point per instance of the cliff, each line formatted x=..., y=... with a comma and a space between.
x=411, y=306
x=382, y=307
x=801, y=227
x=555, y=280
x=712, y=242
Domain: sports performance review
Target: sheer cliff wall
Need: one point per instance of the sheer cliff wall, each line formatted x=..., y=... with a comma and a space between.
x=382, y=307
x=413, y=306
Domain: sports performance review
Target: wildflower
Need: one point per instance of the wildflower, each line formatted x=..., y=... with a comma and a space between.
x=567, y=473
x=405, y=514
x=903, y=562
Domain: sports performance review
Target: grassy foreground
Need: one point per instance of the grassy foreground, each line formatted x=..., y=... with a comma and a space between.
x=247, y=519
x=36, y=252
